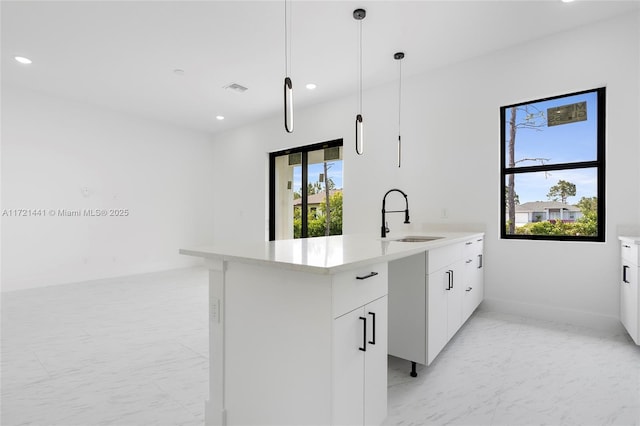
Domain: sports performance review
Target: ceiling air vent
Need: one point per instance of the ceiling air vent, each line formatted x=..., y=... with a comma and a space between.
x=236, y=87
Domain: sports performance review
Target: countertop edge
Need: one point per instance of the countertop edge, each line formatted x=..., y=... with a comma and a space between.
x=411, y=249
x=630, y=239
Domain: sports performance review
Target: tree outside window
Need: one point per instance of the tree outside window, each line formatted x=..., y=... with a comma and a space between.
x=552, y=168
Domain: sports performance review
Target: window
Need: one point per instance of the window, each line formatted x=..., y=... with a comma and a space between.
x=553, y=168
x=302, y=183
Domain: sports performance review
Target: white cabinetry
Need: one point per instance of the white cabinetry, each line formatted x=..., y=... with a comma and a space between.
x=429, y=298
x=360, y=360
x=444, y=297
x=629, y=294
x=291, y=346
x=359, y=394
x=473, y=276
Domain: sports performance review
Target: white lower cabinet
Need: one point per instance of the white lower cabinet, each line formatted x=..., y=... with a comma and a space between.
x=360, y=365
x=473, y=276
x=629, y=293
x=431, y=294
x=292, y=344
x=444, y=299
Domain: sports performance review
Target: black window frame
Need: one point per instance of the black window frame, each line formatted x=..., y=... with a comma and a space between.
x=598, y=164
x=304, y=231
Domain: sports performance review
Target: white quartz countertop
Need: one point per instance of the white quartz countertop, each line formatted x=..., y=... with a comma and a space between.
x=326, y=255
x=629, y=239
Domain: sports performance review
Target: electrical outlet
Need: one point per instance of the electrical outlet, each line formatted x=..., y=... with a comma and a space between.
x=215, y=310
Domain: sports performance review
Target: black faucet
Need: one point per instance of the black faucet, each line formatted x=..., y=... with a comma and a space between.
x=384, y=228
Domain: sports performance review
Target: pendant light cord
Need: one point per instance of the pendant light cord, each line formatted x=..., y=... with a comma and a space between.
x=360, y=71
x=287, y=37
x=400, y=99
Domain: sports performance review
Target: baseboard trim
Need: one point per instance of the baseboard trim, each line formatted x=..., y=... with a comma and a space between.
x=213, y=416
x=551, y=313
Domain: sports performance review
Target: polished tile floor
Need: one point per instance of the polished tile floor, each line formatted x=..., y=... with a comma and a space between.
x=134, y=351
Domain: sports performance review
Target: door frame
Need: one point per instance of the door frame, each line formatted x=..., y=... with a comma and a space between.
x=305, y=179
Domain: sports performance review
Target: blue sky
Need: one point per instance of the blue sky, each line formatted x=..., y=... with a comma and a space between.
x=335, y=173
x=559, y=144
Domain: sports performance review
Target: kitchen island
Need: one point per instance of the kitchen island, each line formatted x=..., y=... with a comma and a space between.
x=298, y=328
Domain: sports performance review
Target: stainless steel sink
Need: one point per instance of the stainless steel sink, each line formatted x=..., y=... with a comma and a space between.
x=417, y=239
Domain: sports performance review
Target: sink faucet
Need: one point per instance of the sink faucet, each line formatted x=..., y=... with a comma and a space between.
x=384, y=228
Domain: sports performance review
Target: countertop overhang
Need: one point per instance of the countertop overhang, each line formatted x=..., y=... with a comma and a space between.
x=629, y=239
x=326, y=255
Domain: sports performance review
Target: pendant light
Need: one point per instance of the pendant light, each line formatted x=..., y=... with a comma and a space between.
x=288, y=84
x=359, y=15
x=398, y=57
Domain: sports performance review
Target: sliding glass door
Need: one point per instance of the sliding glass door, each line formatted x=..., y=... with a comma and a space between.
x=305, y=198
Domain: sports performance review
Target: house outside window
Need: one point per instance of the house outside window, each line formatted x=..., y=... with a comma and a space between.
x=305, y=191
x=553, y=168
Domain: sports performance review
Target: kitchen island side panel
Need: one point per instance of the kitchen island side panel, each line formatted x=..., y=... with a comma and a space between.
x=278, y=334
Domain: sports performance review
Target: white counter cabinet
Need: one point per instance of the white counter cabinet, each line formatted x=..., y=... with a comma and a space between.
x=359, y=363
x=473, y=255
x=629, y=293
x=298, y=329
x=431, y=294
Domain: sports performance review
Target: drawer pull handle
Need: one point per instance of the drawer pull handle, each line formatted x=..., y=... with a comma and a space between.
x=626, y=246
x=469, y=261
x=624, y=274
x=364, y=334
x=469, y=289
x=468, y=243
x=364, y=277
x=373, y=342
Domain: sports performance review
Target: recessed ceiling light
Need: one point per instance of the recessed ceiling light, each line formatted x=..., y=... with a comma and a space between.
x=567, y=1
x=23, y=60
x=311, y=86
x=219, y=117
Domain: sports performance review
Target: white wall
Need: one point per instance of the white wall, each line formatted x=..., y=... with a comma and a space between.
x=52, y=148
x=451, y=161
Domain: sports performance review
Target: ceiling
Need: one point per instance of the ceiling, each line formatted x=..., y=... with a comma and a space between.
x=122, y=54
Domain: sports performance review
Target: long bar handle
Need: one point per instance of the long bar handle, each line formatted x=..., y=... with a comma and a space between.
x=448, y=280
x=624, y=274
x=364, y=277
x=364, y=335
x=480, y=258
x=373, y=342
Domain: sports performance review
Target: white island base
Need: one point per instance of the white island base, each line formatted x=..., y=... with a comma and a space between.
x=298, y=329
x=282, y=352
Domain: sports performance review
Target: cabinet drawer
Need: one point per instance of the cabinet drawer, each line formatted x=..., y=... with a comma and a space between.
x=443, y=256
x=629, y=252
x=473, y=247
x=357, y=287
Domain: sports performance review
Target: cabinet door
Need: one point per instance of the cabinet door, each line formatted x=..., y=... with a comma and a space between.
x=473, y=283
x=629, y=299
x=470, y=288
x=348, y=368
x=375, y=361
x=439, y=283
x=454, y=299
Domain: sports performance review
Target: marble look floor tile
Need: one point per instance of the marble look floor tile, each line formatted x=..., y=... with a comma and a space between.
x=506, y=370
x=134, y=351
